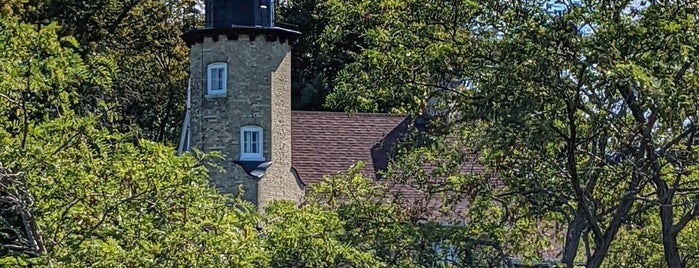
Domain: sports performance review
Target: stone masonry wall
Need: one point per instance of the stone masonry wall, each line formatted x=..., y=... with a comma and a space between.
x=258, y=93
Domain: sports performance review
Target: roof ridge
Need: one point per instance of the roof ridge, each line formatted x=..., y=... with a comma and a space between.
x=348, y=114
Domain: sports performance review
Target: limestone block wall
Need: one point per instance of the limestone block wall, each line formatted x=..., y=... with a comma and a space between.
x=258, y=93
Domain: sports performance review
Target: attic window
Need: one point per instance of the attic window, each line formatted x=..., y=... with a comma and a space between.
x=216, y=79
x=251, y=143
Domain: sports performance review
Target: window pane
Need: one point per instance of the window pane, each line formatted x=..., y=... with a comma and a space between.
x=247, y=137
x=213, y=80
x=255, y=142
x=220, y=72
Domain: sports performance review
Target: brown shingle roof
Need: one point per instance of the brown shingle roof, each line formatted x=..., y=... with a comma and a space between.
x=325, y=143
x=328, y=143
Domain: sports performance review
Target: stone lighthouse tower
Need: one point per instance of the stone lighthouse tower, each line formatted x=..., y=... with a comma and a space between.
x=239, y=99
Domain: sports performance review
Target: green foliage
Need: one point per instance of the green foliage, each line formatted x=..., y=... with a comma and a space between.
x=454, y=184
x=111, y=200
x=310, y=237
x=585, y=111
x=407, y=49
x=405, y=232
x=8, y=7
x=40, y=74
x=101, y=198
x=316, y=60
x=585, y=102
x=143, y=38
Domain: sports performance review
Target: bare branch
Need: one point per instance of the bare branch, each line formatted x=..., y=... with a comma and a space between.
x=686, y=218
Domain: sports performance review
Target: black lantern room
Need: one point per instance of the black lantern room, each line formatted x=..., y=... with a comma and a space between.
x=232, y=13
x=232, y=18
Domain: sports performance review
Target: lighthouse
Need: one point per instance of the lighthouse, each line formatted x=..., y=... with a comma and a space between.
x=239, y=99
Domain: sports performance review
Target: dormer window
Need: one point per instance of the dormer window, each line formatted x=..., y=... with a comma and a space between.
x=216, y=79
x=251, y=143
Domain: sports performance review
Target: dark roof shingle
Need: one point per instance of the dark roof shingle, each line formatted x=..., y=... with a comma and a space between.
x=325, y=143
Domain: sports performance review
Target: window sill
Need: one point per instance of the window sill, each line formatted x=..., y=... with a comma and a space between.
x=216, y=96
x=251, y=158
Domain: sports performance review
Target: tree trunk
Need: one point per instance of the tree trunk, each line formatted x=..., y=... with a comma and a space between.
x=667, y=219
x=603, y=242
x=572, y=240
x=600, y=254
x=672, y=253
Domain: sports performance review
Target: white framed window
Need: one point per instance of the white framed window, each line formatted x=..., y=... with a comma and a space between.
x=217, y=74
x=251, y=143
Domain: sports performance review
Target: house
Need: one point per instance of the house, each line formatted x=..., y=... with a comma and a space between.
x=239, y=103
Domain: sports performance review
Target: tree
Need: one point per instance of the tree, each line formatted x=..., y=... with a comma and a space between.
x=407, y=49
x=402, y=229
x=18, y=225
x=114, y=200
x=143, y=38
x=103, y=198
x=41, y=74
x=588, y=88
x=584, y=110
x=316, y=57
x=310, y=236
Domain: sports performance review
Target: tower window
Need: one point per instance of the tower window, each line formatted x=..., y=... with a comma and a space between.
x=251, y=143
x=216, y=79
